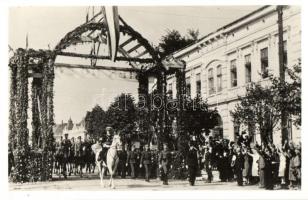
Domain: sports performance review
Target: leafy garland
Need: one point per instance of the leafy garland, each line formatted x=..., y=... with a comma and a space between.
x=12, y=116
x=49, y=146
x=21, y=151
x=180, y=87
x=32, y=164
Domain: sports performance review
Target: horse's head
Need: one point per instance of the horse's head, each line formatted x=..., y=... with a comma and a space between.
x=116, y=142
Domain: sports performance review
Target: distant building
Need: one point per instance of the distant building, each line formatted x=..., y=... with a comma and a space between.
x=73, y=130
x=221, y=64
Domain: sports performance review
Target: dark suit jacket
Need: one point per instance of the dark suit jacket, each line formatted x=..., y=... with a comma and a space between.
x=192, y=158
x=239, y=163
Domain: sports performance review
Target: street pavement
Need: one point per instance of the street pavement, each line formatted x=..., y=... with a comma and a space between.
x=92, y=182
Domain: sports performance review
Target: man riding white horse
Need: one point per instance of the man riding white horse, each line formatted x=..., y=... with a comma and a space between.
x=107, y=158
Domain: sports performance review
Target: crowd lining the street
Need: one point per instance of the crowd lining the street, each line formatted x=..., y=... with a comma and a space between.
x=243, y=161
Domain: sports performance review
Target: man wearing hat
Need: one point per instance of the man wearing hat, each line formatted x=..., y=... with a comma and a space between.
x=207, y=158
x=146, y=161
x=164, y=163
x=78, y=155
x=192, y=163
x=131, y=160
x=67, y=145
x=87, y=152
x=106, y=143
x=122, y=161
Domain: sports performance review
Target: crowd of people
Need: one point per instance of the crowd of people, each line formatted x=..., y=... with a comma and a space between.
x=247, y=162
x=269, y=166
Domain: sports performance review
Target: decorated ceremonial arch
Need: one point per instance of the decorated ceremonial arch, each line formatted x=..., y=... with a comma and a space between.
x=110, y=39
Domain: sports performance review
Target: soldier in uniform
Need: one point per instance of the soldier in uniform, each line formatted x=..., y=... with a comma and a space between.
x=146, y=161
x=154, y=164
x=164, y=163
x=87, y=152
x=192, y=163
x=66, y=144
x=107, y=143
x=131, y=160
x=71, y=156
x=58, y=156
x=122, y=162
x=78, y=156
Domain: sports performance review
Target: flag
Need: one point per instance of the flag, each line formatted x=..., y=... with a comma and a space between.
x=87, y=16
x=112, y=18
x=27, y=42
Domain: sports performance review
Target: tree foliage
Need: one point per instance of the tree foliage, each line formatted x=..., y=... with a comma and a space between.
x=261, y=107
x=121, y=114
x=258, y=107
x=95, y=122
x=174, y=41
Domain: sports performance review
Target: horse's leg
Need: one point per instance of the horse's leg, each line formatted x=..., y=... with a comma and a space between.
x=111, y=174
x=100, y=173
x=115, y=166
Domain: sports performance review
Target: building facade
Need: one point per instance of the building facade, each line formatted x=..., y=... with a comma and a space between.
x=72, y=129
x=221, y=64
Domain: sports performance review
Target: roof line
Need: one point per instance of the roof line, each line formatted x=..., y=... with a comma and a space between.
x=224, y=27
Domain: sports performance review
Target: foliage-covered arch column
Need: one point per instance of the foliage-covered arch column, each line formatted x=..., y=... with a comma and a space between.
x=180, y=95
x=144, y=105
x=18, y=117
x=162, y=91
x=47, y=113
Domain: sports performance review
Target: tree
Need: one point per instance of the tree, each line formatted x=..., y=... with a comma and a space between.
x=257, y=108
x=174, y=41
x=121, y=114
x=95, y=122
x=196, y=116
x=291, y=91
x=261, y=107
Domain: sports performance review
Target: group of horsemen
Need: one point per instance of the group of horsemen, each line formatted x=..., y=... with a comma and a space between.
x=71, y=157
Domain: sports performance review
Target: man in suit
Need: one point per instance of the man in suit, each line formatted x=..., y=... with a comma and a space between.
x=192, y=163
x=239, y=166
x=164, y=163
x=131, y=160
x=207, y=158
x=146, y=161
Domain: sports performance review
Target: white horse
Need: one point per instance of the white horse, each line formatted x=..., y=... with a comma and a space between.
x=112, y=160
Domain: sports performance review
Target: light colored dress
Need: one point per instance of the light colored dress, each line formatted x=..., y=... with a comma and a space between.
x=255, y=158
x=282, y=165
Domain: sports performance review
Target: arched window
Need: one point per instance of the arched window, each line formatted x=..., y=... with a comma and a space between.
x=233, y=71
x=219, y=78
x=211, y=81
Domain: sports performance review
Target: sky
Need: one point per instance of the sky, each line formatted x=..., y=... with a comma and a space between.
x=78, y=91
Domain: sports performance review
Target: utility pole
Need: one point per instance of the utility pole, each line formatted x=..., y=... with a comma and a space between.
x=284, y=116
